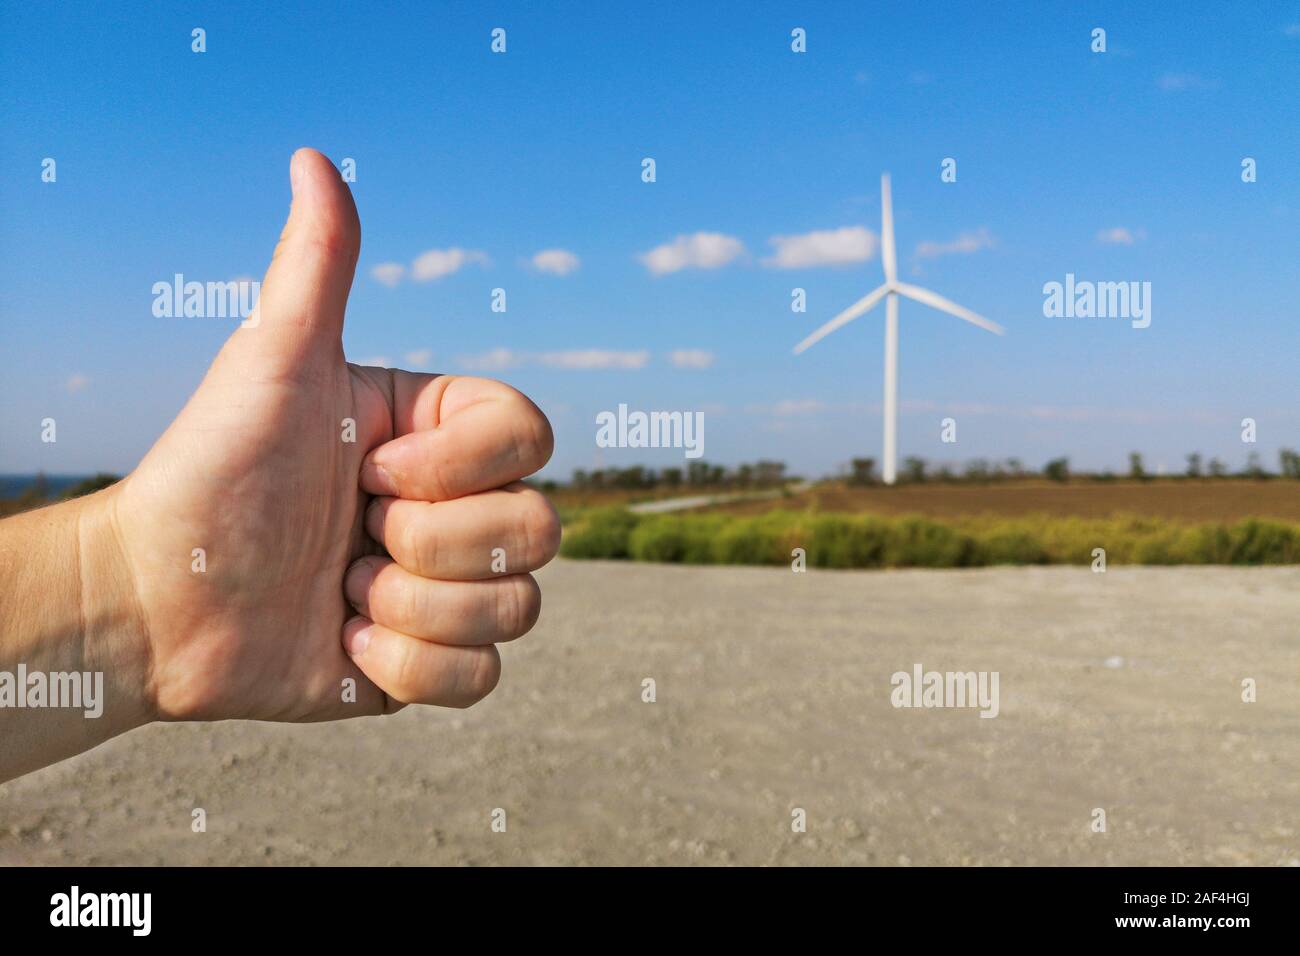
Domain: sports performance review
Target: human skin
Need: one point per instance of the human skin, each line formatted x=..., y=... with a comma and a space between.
x=322, y=559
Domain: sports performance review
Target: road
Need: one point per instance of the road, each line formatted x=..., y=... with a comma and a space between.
x=1118, y=691
x=689, y=502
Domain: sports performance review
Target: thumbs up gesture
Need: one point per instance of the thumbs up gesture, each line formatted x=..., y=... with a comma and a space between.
x=313, y=539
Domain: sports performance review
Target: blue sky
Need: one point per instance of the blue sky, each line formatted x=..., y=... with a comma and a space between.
x=1115, y=166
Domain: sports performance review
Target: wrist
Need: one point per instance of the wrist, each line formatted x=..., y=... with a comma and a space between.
x=75, y=665
x=113, y=624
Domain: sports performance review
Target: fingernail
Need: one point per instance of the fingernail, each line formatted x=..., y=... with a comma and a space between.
x=373, y=521
x=357, y=642
x=376, y=479
x=295, y=174
x=356, y=583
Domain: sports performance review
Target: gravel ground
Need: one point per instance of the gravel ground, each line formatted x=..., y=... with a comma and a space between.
x=1119, y=691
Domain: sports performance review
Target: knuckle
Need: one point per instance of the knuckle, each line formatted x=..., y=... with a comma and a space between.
x=518, y=605
x=399, y=538
x=478, y=672
x=332, y=242
x=336, y=237
x=407, y=682
x=433, y=480
x=534, y=438
x=507, y=606
x=540, y=529
x=532, y=603
x=419, y=549
x=406, y=604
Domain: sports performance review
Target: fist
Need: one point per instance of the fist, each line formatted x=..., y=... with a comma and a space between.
x=313, y=539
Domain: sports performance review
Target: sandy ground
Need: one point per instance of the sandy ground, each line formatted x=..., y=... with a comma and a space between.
x=773, y=692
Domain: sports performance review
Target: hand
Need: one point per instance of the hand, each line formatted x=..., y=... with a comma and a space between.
x=302, y=579
x=255, y=472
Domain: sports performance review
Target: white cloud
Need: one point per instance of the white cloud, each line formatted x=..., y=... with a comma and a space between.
x=1118, y=236
x=701, y=250
x=691, y=358
x=789, y=410
x=388, y=273
x=798, y=406
x=492, y=361
x=825, y=247
x=76, y=383
x=499, y=359
x=594, y=358
x=419, y=358
x=1181, y=82
x=437, y=263
x=965, y=244
x=379, y=361
x=558, y=262
x=1070, y=413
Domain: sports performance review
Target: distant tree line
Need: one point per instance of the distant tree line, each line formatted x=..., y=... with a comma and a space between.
x=40, y=492
x=862, y=471
x=913, y=470
x=696, y=474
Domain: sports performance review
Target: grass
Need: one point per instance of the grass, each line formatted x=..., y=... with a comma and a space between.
x=912, y=541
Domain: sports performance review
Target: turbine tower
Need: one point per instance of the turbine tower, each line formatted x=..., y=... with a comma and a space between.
x=890, y=292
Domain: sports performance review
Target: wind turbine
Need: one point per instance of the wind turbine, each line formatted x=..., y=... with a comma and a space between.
x=890, y=292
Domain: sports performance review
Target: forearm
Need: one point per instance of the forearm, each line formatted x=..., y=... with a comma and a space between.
x=74, y=662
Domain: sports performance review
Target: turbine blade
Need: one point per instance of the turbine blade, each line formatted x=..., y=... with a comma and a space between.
x=936, y=301
x=887, y=257
x=863, y=304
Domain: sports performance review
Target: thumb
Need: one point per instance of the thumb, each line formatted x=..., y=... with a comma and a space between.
x=305, y=291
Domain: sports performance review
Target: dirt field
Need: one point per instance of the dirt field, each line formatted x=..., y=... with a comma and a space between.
x=1190, y=501
x=1118, y=691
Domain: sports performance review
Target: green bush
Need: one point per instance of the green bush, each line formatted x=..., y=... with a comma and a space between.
x=1068, y=540
x=686, y=540
x=1160, y=548
x=867, y=541
x=1207, y=544
x=658, y=539
x=839, y=541
x=1255, y=541
x=1011, y=546
x=766, y=539
x=603, y=533
x=916, y=542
